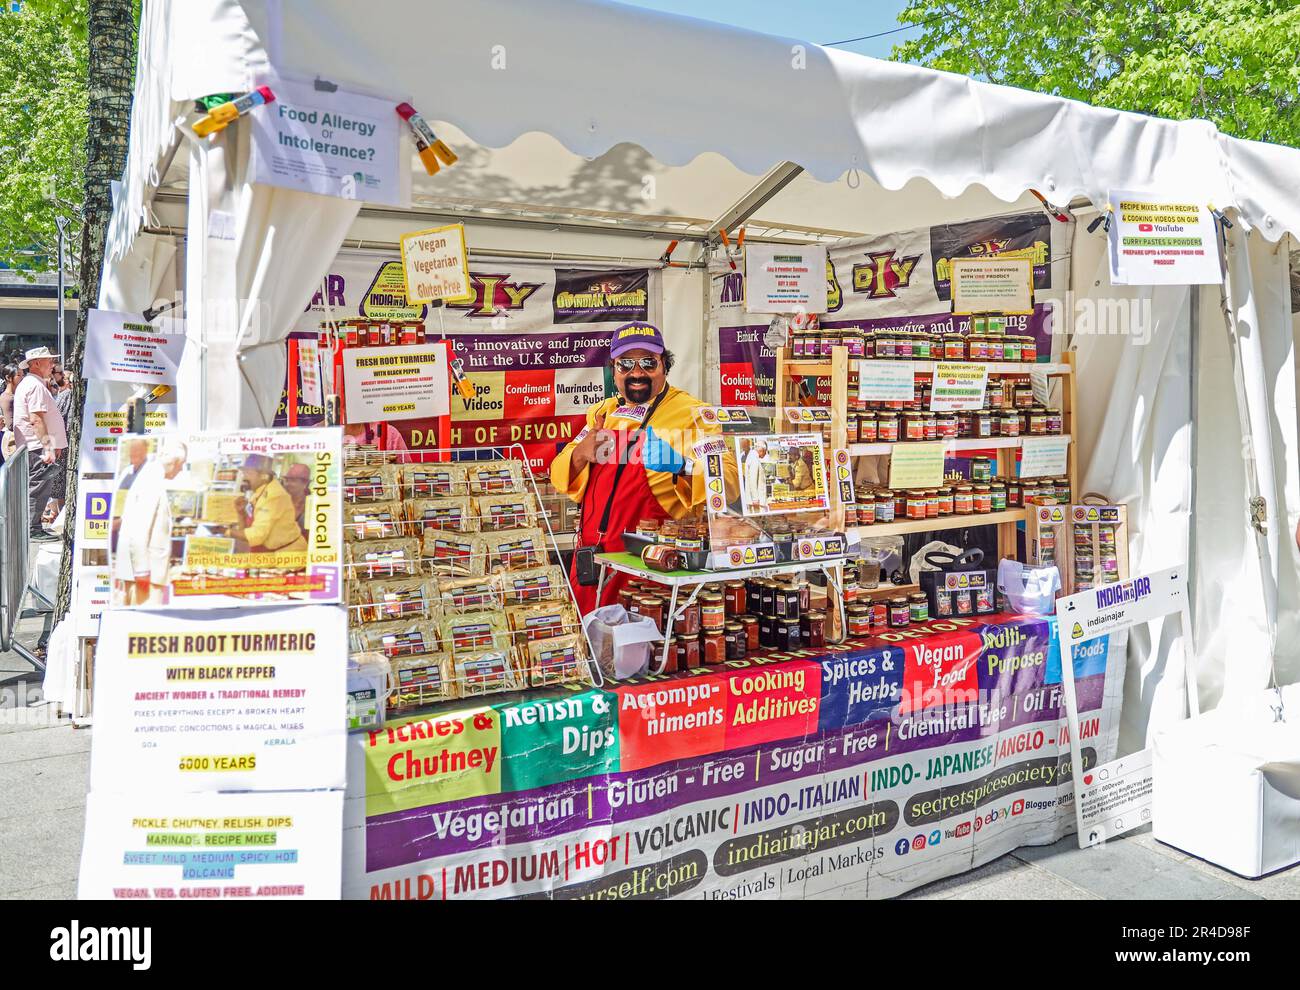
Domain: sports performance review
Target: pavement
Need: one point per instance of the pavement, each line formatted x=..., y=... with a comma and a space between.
x=45, y=766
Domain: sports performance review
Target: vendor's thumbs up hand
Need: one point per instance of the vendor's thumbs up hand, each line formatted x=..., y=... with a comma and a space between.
x=586, y=450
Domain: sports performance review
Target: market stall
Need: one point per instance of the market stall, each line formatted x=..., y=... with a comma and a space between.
x=618, y=174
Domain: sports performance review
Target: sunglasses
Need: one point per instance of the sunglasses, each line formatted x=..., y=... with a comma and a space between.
x=628, y=364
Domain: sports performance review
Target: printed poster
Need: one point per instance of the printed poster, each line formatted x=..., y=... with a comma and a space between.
x=335, y=144
x=125, y=348
x=103, y=424
x=186, y=847
x=992, y=285
x=533, y=344
x=220, y=701
x=1156, y=240
x=383, y=384
x=782, y=473
x=785, y=278
x=274, y=496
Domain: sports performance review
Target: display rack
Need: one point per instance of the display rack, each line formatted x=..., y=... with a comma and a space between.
x=836, y=368
x=631, y=565
x=360, y=613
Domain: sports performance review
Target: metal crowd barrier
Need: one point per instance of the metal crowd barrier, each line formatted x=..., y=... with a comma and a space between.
x=15, y=557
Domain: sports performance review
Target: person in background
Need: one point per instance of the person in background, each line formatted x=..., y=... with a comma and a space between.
x=13, y=375
x=268, y=509
x=143, y=559
x=296, y=481
x=660, y=477
x=369, y=435
x=61, y=386
x=41, y=429
x=755, y=477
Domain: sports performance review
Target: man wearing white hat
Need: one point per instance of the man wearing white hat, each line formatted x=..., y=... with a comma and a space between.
x=40, y=426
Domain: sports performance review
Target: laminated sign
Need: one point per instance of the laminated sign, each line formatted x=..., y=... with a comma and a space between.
x=435, y=265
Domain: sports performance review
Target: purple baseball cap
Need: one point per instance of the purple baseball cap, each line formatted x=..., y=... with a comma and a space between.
x=636, y=336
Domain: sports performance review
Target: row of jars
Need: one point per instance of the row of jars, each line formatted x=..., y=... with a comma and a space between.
x=902, y=346
x=965, y=498
x=887, y=426
x=1001, y=392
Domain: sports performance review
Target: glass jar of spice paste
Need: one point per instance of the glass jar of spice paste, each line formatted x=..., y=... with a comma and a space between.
x=713, y=647
x=900, y=613
x=713, y=613
x=750, y=624
x=687, y=622
x=812, y=629
x=918, y=607
x=734, y=633
x=687, y=651
x=859, y=621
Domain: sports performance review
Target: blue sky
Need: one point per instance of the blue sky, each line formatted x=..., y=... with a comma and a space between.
x=820, y=21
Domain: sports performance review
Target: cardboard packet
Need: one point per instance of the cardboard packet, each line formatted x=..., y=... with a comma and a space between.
x=536, y=584
x=433, y=480
x=371, y=559
x=422, y=680
x=398, y=638
x=451, y=512
x=371, y=483
x=399, y=598
x=558, y=660
x=468, y=594
x=495, y=477
x=531, y=622
x=496, y=512
x=454, y=554
x=486, y=672
x=514, y=550
x=373, y=521
x=474, y=632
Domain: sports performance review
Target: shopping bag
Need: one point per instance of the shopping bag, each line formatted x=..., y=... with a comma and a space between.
x=1028, y=590
x=622, y=641
x=957, y=585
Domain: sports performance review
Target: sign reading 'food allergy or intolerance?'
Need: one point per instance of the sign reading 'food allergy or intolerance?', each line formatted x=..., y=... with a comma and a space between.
x=124, y=348
x=237, y=700
x=1156, y=240
x=336, y=144
x=394, y=383
x=785, y=278
x=273, y=497
x=183, y=847
x=435, y=264
x=992, y=285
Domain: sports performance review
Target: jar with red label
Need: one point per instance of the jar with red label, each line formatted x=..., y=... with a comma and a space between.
x=900, y=613
x=661, y=557
x=965, y=424
x=687, y=651
x=916, y=505
x=931, y=426
x=932, y=503
x=887, y=427
x=963, y=500
x=879, y=614
x=859, y=620
x=900, y=505
x=954, y=347
x=946, y=500
x=851, y=516
x=1014, y=493
x=983, y=499
x=913, y=426
x=867, y=430
x=866, y=513
x=750, y=624
x=687, y=622
x=713, y=647
x=1009, y=424
x=713, y=613
x=1028, y=349
x=994, y=397
x=947, y=423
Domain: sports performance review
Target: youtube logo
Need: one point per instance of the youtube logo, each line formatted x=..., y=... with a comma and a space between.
x=1145, y=228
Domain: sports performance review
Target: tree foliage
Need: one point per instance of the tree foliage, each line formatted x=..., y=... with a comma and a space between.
x=43, y=115
x=1235, y=63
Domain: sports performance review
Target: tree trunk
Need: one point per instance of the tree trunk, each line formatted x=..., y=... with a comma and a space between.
x=112, y=43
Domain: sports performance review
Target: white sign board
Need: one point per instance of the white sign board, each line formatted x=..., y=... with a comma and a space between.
x=309, y=373
x=1159, y=240
x=1106, y=806
x=185, y=847
x=242, y=699
x=381, y=384
x=1044, y=457
x=121, y=347
x=885, y=381
x=992, y=285
x=958, y=385
x=436, y=265
x=335, y=144
x=103, y=428
x=785, y=278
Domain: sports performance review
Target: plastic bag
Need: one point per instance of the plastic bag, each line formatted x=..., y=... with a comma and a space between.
x=919, y=563
x=622, y=641
x=1028, y=590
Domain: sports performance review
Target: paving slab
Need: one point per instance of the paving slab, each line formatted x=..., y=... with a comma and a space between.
x=43, y=742
x=41, y=850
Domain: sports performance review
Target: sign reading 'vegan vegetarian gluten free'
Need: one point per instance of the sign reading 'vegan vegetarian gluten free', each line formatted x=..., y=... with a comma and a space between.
x=436, y=265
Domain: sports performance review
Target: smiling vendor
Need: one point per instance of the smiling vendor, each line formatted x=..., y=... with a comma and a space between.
x=633, y=458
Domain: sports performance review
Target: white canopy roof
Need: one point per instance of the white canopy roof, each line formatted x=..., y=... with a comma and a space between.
x=703, y=107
